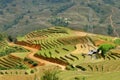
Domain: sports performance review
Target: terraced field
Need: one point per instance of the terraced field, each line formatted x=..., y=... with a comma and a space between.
x=66, y=49
x=63, y=44
x=59, y=43
x=9, y=62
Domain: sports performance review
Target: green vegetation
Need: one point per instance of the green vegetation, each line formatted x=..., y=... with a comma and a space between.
x=59, y=21
x=70, y=67
x=33, y=63
x=117, y=41
x=64, y=49
x=21, y=55
x=50, y=75
x=110, y=30
x=105, y=48
x=10, y=62
x=89, y=75
x=21, y=66
x=7, y=50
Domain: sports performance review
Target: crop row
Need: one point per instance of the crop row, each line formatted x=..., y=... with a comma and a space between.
x=9, y=62
x=45, y=32
x=100, y=67
x=112, y=56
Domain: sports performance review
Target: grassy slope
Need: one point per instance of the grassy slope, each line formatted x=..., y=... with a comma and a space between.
x=111, y=74
x=89, y=75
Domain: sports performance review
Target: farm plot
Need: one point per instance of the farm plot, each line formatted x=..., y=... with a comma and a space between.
x=106, y=66
x=9, y=62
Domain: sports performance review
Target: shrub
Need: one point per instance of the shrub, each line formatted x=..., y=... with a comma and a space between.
x=109, y=30
x=80, y=67
x=71, y=67
x=21, y=66
x=16, y=72
x=6, y=72
x=117, y=41
x=8, y=49
x=50, y=75
x=26, y=73
x=34, y=64
x=32, y=71
x=105, y=48
x=1, y=73
x=76, y=78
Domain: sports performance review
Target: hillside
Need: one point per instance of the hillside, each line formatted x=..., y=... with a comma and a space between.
x=59, y=52
x=18, y=17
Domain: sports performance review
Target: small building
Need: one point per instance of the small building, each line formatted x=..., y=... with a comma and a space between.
x=93, y=52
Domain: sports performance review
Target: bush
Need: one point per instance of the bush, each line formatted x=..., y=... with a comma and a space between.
x=50, y=75
x=21, y=66
x=105, y=48
x=117, y=41
x=80, y=67
x=76, y=78
x=1, y=73
x=32, y=71
x=31, y=62
x=10, y=49
x=35, y=64
x=109, y=30
x=71, y=67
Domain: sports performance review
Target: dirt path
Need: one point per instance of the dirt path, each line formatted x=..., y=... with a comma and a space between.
x=31, y=56
x=78, y=33
x=112, y=24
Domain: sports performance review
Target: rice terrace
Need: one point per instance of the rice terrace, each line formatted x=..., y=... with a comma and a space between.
x=59, y=53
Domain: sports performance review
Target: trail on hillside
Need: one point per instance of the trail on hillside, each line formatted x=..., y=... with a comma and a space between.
x=112, y=25
x=31, y=56
x=78, y=33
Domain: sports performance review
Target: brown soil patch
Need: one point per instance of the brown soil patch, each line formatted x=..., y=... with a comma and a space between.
x=33, y=51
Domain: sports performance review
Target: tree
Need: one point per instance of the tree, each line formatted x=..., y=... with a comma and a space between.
x=10, y=39
x=105, y=48
x=109, y=30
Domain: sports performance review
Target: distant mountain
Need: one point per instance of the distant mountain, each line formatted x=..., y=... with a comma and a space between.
x=18, y=17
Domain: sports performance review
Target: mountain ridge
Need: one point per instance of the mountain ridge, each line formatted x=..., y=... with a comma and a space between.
x=21, y=17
